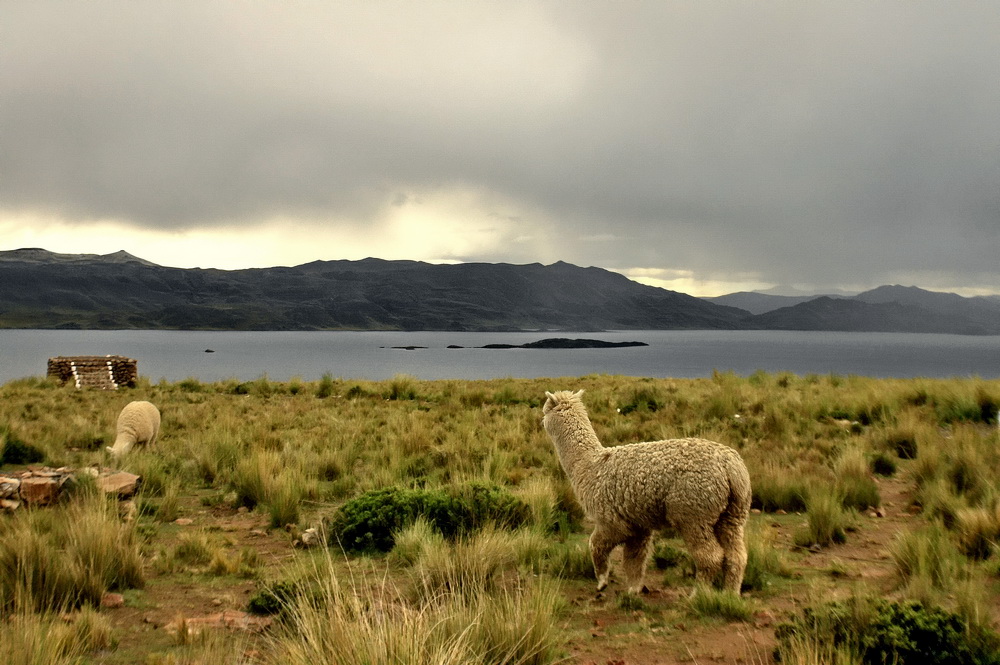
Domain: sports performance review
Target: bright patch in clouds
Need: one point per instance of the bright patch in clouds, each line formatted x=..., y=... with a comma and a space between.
x=440, y=226
x=685, y=281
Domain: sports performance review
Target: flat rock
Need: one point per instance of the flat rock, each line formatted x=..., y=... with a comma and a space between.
x=9, y=487
x=121, y=483
x=231, y=619
x=39, y=491
x=112, y=600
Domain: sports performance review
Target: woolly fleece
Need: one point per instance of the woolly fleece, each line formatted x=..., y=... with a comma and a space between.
x=700, y=488
x=139, y=422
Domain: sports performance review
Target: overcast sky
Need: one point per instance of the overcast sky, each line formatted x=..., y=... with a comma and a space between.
x=706, y=147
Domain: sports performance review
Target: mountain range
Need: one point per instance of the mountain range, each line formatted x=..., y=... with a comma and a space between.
x=41, y=289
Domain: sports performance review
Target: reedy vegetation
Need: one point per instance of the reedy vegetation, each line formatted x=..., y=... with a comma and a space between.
x=298, y=449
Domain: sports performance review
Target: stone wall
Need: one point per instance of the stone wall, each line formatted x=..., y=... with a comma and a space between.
x=42, y=486
x=104, y=372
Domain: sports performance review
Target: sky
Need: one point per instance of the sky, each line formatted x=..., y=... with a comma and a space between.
x=705, y=147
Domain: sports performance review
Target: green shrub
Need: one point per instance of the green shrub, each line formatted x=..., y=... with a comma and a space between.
x=989, y=406
x=884, y=631
x=15, y=451
x=631, y=602
x=274, y=598
x=883, y=465
x=904, y=442
x=666, y=556
x=325, y=387
x=641, y=399
x=369, y=523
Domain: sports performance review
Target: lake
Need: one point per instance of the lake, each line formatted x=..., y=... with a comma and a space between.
x=176, y=355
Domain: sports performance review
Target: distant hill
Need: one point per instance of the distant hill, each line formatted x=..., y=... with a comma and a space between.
x=40, y=289
x=756, y=302
x=888, y=309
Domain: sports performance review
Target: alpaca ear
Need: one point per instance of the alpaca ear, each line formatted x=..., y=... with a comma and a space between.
x=578, y=394
x=550, y=396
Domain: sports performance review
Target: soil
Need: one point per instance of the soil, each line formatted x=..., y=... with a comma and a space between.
x=601, y=628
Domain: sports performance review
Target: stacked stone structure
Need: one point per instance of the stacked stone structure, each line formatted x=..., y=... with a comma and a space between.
x=103, y=372
x=43, y=486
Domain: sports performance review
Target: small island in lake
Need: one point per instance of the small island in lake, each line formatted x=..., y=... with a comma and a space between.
x=565, y=343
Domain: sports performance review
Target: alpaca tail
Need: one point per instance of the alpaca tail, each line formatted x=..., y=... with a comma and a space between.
x=740, y=491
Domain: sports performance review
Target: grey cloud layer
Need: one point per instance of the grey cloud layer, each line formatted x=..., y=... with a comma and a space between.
x=813, y=142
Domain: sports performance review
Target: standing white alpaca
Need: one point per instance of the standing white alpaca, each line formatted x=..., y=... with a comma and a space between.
x=698, y=487
x=139, y=422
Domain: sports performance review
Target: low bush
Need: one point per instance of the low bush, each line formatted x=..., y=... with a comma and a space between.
x=883, y=465
x=276, y=598
x=667, y=556
x=370, y=522
x=15, y=451
x=641, y=399
x=882, y=631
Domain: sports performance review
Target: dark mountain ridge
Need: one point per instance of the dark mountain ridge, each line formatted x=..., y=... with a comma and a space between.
x=41, y=289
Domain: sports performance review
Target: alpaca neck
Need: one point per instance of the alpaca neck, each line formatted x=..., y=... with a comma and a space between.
x=577, y=445
x=124, y=440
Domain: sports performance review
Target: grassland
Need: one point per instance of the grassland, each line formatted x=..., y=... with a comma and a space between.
x=454, y=537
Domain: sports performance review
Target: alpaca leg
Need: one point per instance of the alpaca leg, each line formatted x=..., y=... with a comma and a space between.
x=602, y=541
x=729, y=532
x=705, y=550
x=635, y=555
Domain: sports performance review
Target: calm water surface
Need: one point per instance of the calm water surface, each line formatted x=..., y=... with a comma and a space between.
x=174, y=355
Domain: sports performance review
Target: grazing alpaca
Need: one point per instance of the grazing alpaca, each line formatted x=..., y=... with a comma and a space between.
x=698, y=487
x=139, y=422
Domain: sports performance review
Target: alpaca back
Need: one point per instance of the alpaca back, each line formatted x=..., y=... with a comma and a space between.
x=138, y=422
x=666, y=483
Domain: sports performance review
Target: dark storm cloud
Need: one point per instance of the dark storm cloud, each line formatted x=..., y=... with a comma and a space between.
x=816, y=143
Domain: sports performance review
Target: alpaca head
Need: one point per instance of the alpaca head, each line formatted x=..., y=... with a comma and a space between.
x=560, y=404
x=561, y=400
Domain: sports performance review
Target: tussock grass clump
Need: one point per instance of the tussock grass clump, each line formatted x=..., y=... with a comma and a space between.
x=766, y=562
x=412, y=542
x=402, y=387
x=775, y=488
x=927, y=557
x=67, y=556
x=42, y=639
x=473, y=564
x=827, y=521
x=569, y=560
x=977, y=531
x=370, y=621
x=715, y=603
x=853, y=480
